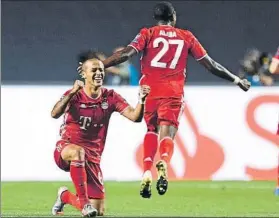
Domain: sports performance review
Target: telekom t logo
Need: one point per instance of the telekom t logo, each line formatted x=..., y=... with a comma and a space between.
x=84, y=122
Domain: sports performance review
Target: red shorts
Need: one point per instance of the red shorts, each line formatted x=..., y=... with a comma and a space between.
x=95, y=185
x=163, y=111
x=278, y=129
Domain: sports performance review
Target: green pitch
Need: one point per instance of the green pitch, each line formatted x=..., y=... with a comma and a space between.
x=123, y=199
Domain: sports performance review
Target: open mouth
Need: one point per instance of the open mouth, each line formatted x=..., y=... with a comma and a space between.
x=98, y=79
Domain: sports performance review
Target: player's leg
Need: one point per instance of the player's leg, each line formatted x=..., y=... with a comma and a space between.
x=150, y=145
x=71, y=157
x=99, y=204
x=166, y=146
x=63, y=196
x=95, y=186
x=169, y=112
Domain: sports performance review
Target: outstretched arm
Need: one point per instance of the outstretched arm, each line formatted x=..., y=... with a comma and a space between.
x=217, y=69
x=136, y=114
x=119, y=57
x=220, y=71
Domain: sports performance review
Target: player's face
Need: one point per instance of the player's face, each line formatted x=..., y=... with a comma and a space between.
x=94, y=73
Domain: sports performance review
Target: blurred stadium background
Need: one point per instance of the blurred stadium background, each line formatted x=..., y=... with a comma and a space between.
x=225, y=134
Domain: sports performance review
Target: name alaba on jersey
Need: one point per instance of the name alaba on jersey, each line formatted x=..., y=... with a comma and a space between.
x=165, y=51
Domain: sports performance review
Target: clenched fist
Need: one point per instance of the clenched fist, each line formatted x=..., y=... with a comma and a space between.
x=244, y=84
x=143, y=93
x=77, y=86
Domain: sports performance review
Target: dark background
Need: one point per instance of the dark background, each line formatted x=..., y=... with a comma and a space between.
x=40, y=39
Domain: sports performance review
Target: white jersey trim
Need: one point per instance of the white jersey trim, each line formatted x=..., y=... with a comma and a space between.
x=201, y=57
x=124, y=109
x=141, y=78
x=134, y=48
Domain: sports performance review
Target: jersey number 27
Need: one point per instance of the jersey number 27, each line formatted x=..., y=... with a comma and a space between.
x=166, y=45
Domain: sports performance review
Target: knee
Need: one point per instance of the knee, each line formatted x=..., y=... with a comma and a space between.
x=78, y=153
x=167, y=131
x=74, y=152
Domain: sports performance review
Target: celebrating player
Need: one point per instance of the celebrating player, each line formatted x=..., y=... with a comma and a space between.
x=87, y=110
x=163, y=63
x=274, y=66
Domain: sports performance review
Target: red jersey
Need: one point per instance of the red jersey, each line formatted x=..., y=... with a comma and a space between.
x=86, y=121
x=164, y=58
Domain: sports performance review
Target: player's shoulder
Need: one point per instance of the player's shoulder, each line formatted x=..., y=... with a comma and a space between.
x=145, y=31
x=76, y=97
x=186, y=32
x=67, y=92
x=109, y=93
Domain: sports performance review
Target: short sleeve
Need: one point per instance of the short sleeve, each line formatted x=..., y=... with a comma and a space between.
x=120, y=103
x=140, y=40
x=196, y=49
x=276, y=56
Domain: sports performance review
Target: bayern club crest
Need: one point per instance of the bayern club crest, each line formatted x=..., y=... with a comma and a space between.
x=104, y=105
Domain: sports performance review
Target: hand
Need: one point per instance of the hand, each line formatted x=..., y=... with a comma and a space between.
x=77, y=86
x=79, y=67
x=143, y=93
x=244, y=84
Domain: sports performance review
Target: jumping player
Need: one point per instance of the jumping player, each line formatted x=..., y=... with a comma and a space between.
x=164, y=57
x=87, y=109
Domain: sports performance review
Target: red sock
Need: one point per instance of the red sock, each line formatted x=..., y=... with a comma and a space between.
x=79, y=178
x=166, y=149
x=150, y=145
x=69, y=198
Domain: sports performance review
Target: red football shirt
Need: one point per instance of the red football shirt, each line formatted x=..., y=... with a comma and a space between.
x=86, y=121
x=164, y=58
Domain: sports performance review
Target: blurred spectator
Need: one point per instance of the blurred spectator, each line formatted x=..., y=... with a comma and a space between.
x=274, y=66
x=122, y=74
x=255, y=67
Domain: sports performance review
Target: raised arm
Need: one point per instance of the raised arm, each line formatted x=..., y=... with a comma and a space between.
x=60, y=107
x=119, y=57
x=220, y=71
x=137, y=45
x=136, y=114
